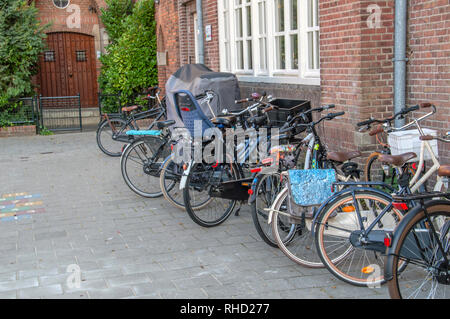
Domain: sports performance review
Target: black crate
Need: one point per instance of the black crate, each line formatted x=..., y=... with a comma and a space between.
x=288, y=107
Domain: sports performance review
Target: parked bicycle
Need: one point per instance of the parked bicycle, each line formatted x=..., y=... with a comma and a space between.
x=351, y=225
x=418, y=257
x=111, y=131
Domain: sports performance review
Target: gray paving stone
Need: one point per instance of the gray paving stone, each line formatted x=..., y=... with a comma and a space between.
x=130, y=247
x=39, y=292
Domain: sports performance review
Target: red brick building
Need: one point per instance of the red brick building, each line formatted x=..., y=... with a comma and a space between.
x=75, y=40
x=326, y=51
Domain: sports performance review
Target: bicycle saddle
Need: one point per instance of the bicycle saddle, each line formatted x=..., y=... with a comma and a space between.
x=130, y=108
x=227, y=121
x=397, y=160
x=444, y=170
x=162, y=124
x=342, y=156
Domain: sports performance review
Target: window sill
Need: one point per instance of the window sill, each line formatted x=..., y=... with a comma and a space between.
x=279, y=79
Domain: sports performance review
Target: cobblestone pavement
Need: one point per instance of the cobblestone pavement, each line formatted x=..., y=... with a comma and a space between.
x=127, y=246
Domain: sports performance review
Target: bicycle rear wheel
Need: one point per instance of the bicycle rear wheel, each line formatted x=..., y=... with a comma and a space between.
x=105, y=132
x=293, y=237
x=141, y=164
x=202, y=180
x=427, y=273
x=337, y=232
x=269, y=186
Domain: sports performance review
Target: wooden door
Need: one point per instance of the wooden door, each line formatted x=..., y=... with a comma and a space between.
x=68, y=67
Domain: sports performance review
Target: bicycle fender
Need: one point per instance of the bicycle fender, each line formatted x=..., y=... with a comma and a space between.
x=337, y=196
x=255, y=182
x=185, y=174
x=388, y=275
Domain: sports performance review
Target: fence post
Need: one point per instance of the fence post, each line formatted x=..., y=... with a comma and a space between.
x=79, y=111
x=99, y=104
x=41, y=113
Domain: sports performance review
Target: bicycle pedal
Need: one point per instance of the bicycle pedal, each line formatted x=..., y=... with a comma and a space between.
x=236, y=213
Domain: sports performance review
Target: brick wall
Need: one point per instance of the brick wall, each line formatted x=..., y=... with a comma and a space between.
x=62, y=20
x=175, y=25
x=428, y=69
x=25, y=130
x=356, y=68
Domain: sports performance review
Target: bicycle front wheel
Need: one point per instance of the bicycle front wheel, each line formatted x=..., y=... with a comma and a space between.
x=426, y=275
x=141, y=164
x=293, y=236
x=338, y=230
x=201, y=182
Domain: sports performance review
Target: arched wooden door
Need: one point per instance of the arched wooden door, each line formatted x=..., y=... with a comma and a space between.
x=68, y=67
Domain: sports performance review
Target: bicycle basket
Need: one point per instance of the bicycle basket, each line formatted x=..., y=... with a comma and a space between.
x=310, y=187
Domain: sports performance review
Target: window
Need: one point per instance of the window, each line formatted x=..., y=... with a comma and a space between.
x=61, y=4
x=81, y=56
x=49, y=56
x=275, y=39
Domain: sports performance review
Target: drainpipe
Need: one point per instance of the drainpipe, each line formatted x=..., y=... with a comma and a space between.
x=201, y=45
x=401, y=11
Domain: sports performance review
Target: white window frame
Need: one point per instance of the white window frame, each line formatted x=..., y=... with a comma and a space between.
x=302, y=75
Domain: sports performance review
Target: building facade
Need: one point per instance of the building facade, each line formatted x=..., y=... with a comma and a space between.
x=325, y=51
x=70, y=63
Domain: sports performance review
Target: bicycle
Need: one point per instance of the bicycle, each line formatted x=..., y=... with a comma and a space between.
x=111, y=130
x=375, y=170
x=222, y=180
x=291, y=224
x=350, y=226
x=421, y=242
x=267, y=185
x=141, y=160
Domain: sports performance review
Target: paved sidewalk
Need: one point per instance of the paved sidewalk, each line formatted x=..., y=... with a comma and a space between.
x=127, y=246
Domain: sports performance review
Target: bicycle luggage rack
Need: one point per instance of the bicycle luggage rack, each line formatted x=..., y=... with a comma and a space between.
x=233, y=190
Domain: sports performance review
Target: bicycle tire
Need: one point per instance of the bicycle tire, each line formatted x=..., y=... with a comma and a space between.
x=333, y=219
x=115, y=147
x=298, y=243
x=187, y=197
x=143, y=152
x=171, y=189
x=419, y=266
x=258, y=213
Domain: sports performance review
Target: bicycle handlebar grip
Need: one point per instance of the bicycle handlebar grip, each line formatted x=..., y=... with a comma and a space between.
x=330, y=106
x=333, y=115
x=270, y=108
x=426, y=138
x=365, y=123
x=241, y=101
x=376, y=131
x=426, y=105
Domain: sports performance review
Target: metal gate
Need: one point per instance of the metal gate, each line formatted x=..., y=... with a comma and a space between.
x=60, y=113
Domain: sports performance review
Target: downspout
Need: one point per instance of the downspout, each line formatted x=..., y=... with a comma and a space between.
x=200, y=42
x=401, y=12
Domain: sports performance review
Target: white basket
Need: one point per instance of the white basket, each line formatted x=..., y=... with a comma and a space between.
x=408, y=141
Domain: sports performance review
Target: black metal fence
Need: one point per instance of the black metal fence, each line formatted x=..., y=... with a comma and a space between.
x=60, y=113
x=20, y=111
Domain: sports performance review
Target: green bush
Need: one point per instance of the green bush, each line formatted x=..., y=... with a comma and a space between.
x=130, y=66
x=21, y=42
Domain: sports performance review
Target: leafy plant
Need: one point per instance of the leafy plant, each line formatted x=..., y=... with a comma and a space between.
x=21, y=42
x=44, y=131
x=130, y=66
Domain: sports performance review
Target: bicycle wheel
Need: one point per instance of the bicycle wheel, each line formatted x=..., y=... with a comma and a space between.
x=266, y=191
x=141, y=165
x=201, y=182
x=170, y=185
x=375, y=171
x=105, y=140
x=426, y=275
x=338, y=231
x=294, y=237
